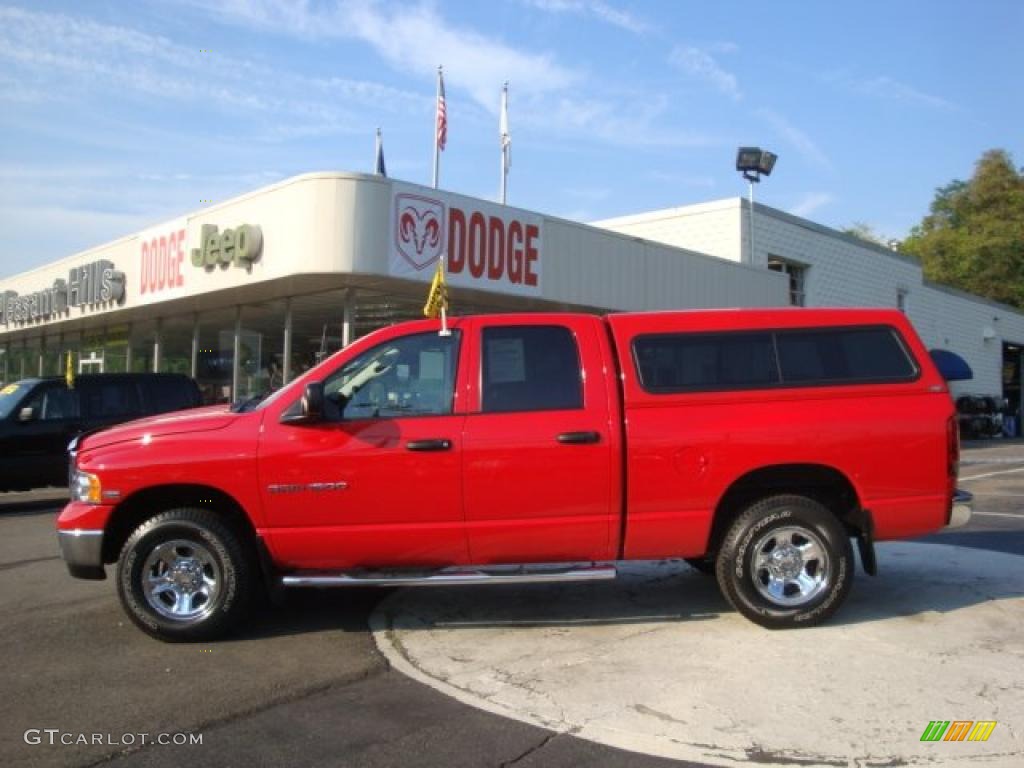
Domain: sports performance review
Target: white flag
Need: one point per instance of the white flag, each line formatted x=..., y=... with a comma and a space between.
x=506, y=138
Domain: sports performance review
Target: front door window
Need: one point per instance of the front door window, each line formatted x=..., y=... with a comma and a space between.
x=409, y=376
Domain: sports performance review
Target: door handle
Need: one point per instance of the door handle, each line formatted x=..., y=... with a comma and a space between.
x=579, y=438
x=435, y=444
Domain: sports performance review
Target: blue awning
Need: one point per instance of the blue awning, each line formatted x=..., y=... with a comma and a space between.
x=951, y=365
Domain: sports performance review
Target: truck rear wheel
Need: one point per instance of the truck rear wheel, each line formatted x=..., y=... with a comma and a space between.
x=185, y=576
x=786, y=562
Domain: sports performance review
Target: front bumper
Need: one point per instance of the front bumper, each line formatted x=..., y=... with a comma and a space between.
x=960, y=514
x=80, y=529
x=82, y=551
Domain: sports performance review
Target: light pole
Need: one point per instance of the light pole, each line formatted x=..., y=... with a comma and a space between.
x=752, y=162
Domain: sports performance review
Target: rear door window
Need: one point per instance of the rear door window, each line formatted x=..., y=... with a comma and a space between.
x=164, y=394
x=843, y=355
x=693, y=362
x=111, y=398
x=530, y=368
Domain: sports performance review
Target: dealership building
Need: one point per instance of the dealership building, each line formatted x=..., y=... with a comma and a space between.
x=246, y=294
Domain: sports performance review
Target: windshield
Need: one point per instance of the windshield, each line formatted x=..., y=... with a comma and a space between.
x=10, y=396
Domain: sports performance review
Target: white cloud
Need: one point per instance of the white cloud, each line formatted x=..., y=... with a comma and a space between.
x=887, y=88
x=603, y=11
x=62, y=57
x=413, y=39
x=68, y=230
x=417, y=40
x=810, y=203
x=701, y=65
x=625, y=122
x=796, y=138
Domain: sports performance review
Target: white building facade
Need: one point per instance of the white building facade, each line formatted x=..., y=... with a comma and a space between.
x=245, y=294
x=827, y=268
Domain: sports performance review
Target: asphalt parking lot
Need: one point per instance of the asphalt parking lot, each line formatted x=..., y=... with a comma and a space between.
x=305, y=684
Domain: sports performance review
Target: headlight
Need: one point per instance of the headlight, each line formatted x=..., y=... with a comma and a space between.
x=86, y=487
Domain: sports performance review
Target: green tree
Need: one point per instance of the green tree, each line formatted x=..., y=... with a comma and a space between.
x=973, y=237
x=865, y=231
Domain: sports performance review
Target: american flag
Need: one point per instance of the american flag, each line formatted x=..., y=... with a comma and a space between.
x=442, y=114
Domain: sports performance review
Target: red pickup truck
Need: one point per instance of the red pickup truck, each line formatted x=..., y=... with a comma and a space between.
x=757, y=444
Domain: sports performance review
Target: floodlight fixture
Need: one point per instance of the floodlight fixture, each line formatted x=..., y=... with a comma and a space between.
x=753, y=163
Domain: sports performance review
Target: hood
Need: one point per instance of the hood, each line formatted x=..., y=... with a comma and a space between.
x=194, y=420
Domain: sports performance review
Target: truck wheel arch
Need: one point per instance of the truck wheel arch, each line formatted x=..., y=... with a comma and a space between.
x=825, y=484
x=149, y=502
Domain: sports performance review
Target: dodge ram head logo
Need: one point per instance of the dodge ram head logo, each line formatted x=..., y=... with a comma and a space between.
x=419, y=229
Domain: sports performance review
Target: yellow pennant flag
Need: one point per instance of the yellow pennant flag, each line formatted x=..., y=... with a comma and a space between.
x=69, y=372
x=437, y=299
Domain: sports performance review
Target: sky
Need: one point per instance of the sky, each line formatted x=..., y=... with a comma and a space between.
x=119, y=114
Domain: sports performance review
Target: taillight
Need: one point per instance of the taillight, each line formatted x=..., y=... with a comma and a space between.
x=952, y=462
x=953, y=448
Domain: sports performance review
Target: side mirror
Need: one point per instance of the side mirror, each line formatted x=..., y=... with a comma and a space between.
x=311, y=407
x=27, y=414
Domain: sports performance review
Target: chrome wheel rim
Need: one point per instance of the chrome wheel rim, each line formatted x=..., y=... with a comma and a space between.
x=181, y=580
x=790, y=566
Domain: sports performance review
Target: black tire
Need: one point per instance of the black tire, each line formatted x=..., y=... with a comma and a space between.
x=705, y=565
x=762, y=586
x=212, y=581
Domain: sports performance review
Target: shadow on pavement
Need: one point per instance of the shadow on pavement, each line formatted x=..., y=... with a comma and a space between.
x=306, y=611
x=909, y=584
x=1009, y=541
x=31, y=502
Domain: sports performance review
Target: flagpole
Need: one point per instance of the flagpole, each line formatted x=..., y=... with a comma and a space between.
x=378, y=160
x=504, y=142
x=437, y=102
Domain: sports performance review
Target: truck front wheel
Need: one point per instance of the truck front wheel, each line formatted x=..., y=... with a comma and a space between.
x=184, y=575
x=786, y=562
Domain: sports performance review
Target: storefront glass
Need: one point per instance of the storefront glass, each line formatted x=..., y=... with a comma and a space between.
x=33, y=349
x=316, y=329
x=261, y=359
x=115, y=349
x=140, y=346
x=16, y=365
x=176, y=344
x=71, y=343
x=91, y=359
x=51, y=351
x=375, y=311
x=216, y=356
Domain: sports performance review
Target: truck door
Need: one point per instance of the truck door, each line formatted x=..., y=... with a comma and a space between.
x=538, y=447
x=378, y=482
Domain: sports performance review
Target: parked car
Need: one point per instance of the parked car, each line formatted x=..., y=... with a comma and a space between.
x=40, y=417
x=540, y=447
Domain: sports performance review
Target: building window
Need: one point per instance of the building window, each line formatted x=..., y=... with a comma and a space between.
x=797, y=277
x=901, y=299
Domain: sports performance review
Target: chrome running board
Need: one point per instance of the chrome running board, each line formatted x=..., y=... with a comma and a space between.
x=496, y=574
